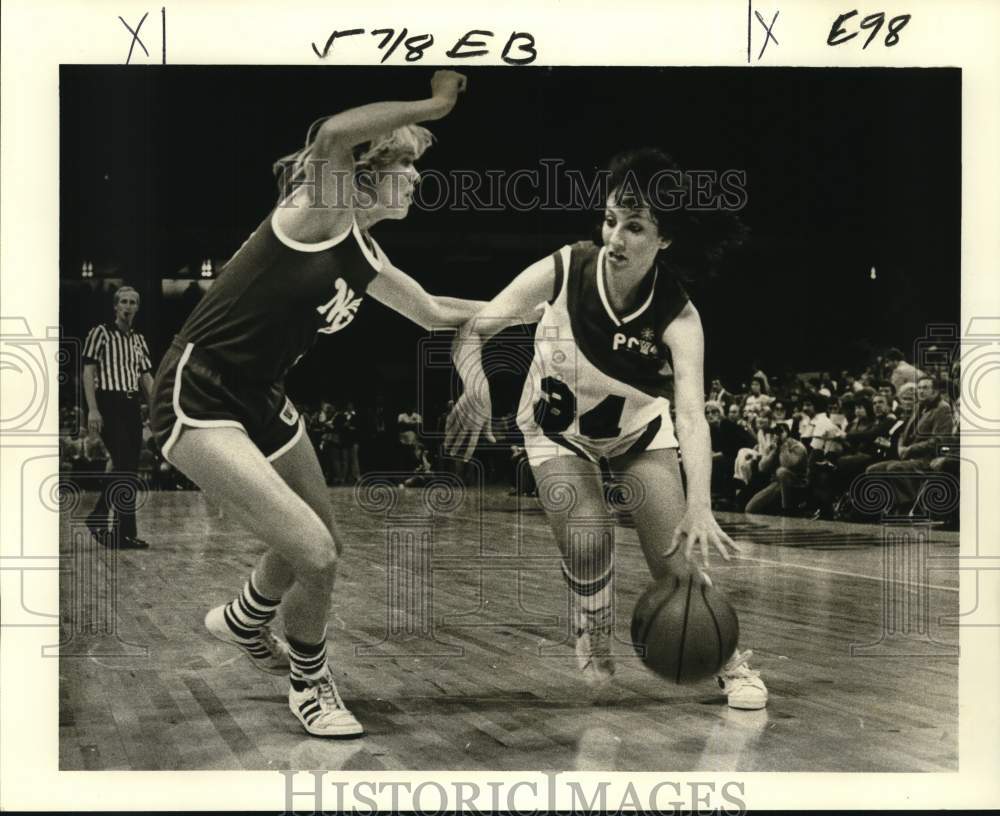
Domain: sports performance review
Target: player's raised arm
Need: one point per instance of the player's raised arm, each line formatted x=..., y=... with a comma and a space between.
x=343, y=131
x=320, y=177
x=520, y=302
x=698, y=527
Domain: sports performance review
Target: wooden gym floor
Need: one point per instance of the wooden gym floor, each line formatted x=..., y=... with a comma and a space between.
x=448, y=638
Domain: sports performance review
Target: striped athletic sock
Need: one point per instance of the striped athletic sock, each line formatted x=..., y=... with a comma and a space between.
x=249, y=611
x=308, y=661
x=591, y=593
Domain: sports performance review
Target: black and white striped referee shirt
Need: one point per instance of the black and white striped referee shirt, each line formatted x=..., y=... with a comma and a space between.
x=121, y=358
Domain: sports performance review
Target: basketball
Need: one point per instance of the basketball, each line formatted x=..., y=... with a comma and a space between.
x=684, y=631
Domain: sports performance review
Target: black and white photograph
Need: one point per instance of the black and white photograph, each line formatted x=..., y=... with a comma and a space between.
x=545, y=419
x=509, y=420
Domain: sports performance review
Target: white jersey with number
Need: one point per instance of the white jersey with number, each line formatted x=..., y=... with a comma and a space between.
x=600, y=383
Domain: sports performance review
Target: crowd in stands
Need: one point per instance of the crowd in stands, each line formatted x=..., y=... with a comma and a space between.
x=788, y=445
x=794, y=447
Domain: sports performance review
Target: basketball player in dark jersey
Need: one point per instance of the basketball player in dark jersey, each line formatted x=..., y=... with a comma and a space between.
x=617, y=340
x=220, y=411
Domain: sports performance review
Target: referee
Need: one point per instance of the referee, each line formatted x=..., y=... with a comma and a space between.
x=116, y=365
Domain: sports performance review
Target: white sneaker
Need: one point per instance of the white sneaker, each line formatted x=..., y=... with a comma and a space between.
x=321, y=711
x=267, y=652
x=741, y=684
x=594, y=632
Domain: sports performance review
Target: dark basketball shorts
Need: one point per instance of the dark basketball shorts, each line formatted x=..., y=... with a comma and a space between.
x=190, y=392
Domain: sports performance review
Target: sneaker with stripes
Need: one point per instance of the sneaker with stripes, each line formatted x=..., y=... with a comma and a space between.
x=741, y=684
x=594, y=632
x=591, y=599
x=244, y=622
x=318, y=706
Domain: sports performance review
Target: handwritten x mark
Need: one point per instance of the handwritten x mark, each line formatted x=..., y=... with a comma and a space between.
x=135, y=36
x=767, y=28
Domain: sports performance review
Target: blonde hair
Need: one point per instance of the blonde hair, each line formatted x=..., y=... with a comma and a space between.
x=380, y=152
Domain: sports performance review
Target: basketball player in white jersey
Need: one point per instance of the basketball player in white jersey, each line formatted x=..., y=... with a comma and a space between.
x=617, y=338
x=220, y=413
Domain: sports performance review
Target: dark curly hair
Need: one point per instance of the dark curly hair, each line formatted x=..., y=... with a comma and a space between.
x=700, y=237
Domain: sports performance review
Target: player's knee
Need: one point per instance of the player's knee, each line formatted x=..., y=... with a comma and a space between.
x=320, y=562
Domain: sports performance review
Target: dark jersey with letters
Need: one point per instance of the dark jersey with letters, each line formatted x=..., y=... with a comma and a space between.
x=273, y=296
x=598, y=375
x=628, y=348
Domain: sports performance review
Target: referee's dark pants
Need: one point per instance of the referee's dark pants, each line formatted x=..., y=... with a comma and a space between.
x=122, y=436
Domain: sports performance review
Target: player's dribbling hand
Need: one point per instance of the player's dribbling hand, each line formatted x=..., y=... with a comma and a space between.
x=447, y=85
x=469, y=420
x=698, y=528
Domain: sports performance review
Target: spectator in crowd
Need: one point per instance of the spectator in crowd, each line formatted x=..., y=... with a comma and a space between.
x=931, y=424
x=345, y=424
x=825, y=385
x=760, y=376
x=746, y=471
x=779, y=414
x=947, y=461
x=718, y=393
x=906, y=398
x=825, y=446
x=842, y=411
x=784, y=463
x=901, y=371
x=888, y=361
x=733, y=412
x=407, y=454
x=420, y=462
x=887, y=390
x=886, y=444
x=756, y=399
x=727, y=439
x=802, y=427
x=748, y=422
x=81, y=454
x=408, y=425
x=872, y=420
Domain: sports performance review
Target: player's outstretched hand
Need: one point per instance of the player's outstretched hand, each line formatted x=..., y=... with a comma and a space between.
x=698, y=528
x=469, y=420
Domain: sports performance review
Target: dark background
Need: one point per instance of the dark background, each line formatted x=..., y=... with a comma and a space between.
x=846, y=169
